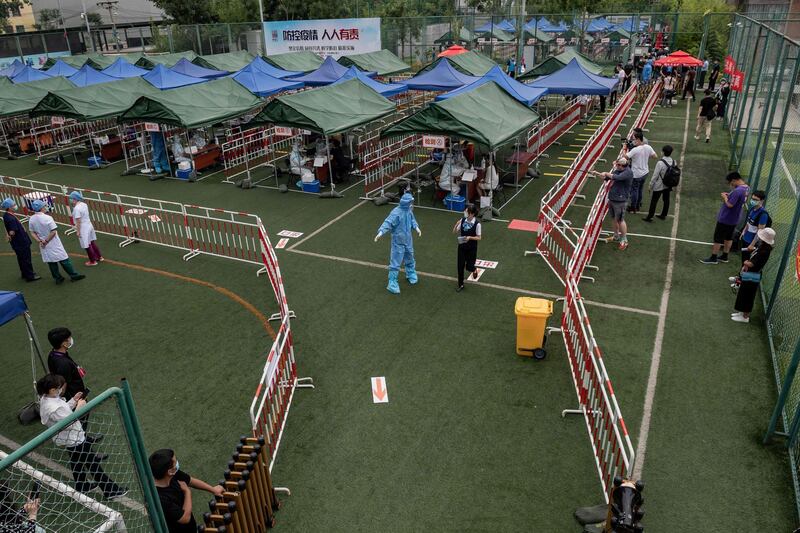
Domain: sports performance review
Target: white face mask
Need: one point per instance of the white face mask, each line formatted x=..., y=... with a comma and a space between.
x=466, y=214
x=70, y=343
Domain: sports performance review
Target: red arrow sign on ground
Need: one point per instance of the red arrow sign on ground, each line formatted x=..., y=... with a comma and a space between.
x=379, y=392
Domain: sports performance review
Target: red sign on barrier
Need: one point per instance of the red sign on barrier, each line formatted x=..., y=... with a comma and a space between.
x=729, y=66
x=737, y=81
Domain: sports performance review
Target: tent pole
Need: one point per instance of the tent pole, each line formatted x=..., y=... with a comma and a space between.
x=330, y=167
x=32, y=336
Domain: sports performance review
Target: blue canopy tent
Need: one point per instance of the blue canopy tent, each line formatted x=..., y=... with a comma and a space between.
x=60, y=68
x=504, y=25
x=627, y=25
x=442, y=77
x=88, y=76
x=271, y=70
x=597, y=25
x=12, y=305
x=163, y=78
x=30, y=74
x=519, y=91
x=13, y=69
x=327, y=73
x=551, y=27
x=262, y=84
x=124, y=69
x=573, y=79
x=187, y=68
x=384, y=89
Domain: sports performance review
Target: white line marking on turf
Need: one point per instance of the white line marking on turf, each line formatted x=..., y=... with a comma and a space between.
x=327, y=225
x=490, y=285
x=786, y=169
x=655, y=362
x=61, y=469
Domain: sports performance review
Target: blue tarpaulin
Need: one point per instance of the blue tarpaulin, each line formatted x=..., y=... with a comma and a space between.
x=261, y=84
x=123, y=69
x=327, y=73
x=597, y=25
x=384, y=89
x=442, y=77
x=60, y=68
x=574, y=80
x=504, y=25
x=519, y=91
x=30, y=74
x=13, y=69
x=163, y=78
x=259, y=64
x=187, y=68
x=12, y=304
x=550, y=27
x=88, y=76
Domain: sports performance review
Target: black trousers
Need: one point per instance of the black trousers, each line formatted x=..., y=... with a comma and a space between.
x=467, y=254
x=746, y=296
x=613, y=100
x=24, y=261
x=84, y=463
x=688, y=88
x=664, y=195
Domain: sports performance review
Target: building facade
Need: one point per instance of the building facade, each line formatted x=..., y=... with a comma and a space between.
x=20, y=19
x=125, y=11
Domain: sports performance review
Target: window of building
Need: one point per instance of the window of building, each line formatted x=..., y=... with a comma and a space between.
x=14, y=10
x=20, y=28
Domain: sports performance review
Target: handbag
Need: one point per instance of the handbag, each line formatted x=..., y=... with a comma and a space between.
x=29, y=414
x=754, y=277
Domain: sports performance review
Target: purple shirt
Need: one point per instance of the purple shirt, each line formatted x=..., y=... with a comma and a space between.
x=731, y=215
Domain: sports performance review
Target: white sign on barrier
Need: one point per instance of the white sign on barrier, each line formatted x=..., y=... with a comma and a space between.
x=433, y=141
x=379, y=392
x=283, y=131
x=57, y=121
x=559, y=40
x=152, y=127
x=605, y=40
x=624, y=41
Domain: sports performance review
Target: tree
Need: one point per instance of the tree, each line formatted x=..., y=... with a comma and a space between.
x=95, y=19
x=188, y=11
x=8, y=8
x=49, y=19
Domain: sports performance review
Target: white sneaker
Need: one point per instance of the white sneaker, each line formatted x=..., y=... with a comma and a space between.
x=696, y=138
x=732, y=279
x=738, y=313
x=740, y=318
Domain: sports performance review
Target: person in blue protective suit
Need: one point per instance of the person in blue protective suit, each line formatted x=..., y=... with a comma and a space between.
x=160, y=158
x=399, y=223
x=19, y=240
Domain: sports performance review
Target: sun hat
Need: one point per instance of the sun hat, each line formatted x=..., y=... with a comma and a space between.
x=767, y=235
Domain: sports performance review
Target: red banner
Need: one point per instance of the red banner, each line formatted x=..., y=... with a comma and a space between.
x=797, y=261
x=737, y=80
x=729, y=66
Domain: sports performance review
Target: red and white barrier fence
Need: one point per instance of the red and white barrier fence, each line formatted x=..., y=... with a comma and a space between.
x=613, y=451
x=273, y=397
x=556, y=243
x=545, y=133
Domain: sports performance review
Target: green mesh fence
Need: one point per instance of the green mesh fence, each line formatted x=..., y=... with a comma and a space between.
x=764, y=121
x=85, y=474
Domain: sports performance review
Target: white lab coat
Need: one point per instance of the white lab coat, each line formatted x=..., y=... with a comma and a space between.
x=42, y=225
x=86, y=234
x=446, y=179
x=491, y=179
x=296, y=162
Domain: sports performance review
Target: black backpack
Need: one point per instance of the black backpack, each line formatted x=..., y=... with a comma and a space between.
x=672, y=176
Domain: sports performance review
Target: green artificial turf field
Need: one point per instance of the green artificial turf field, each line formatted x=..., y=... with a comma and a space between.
x=472, y=437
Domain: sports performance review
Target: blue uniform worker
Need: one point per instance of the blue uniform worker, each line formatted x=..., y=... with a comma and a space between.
x=160, y=158
x=19, y=240
x=399, y=223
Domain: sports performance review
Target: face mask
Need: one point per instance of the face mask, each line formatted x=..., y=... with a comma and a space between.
x=466, y=214
x=753, y=203
x=70, y=343
x=177, y=465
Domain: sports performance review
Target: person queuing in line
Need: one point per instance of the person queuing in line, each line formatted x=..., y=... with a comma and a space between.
x=750, y=275
x=701, y=77
x=511, y=66
x=85, y=230
x=688, y=85
x=757, y=219
x=639, y=157
x=45, y=231
x=628, y=69
x=618, y=195
x=173, y=486
x=712, y=78
x=727, y=218
x=468, y=229
x=705, y=116
x=19, y=239
x=14, y=520
x=721, y=96
x=657, y=187
x=83, y=461
x=668, y=90
x=340, y=162
x=623, y=79
x=612, y=101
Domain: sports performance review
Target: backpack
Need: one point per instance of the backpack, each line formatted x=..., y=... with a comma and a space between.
x=672, y=176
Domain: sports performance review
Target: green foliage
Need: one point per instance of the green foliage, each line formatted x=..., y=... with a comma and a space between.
x=188, y=11
x=5, y=9
x=95, y=19
x=48, y=19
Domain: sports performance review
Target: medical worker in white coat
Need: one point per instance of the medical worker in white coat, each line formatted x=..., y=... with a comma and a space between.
x=83, y=224
x=296, y=165
x=44, y=230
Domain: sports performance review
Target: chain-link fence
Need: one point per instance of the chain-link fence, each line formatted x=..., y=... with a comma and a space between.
x=764, y=121
x=87, y=472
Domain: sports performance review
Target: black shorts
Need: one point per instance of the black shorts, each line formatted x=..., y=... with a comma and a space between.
x=723, y=232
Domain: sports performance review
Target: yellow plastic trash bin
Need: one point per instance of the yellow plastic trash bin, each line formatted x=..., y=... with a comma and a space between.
x=532, y=315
